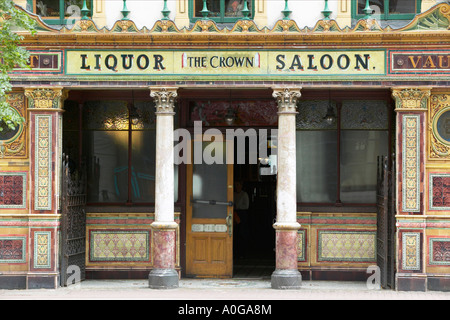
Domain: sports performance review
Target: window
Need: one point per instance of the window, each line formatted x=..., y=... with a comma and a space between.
x=59, y=12
x=387, y=9
x=221, y=11
x=118, y=142
x=337, y=163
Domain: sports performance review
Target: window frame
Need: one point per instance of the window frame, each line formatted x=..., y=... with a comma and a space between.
x=222, y=18
x=80, y=131
x=62, y=20
x=338, y=99
x=386, y=15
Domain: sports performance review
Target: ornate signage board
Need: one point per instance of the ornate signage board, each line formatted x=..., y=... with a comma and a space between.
x=231, y=63
x=419, y=62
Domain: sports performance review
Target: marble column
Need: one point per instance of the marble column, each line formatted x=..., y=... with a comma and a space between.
x=164, y=275
x=286, y=275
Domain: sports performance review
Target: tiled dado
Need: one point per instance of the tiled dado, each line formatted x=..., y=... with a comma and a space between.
x=330, y=240
x=120, y=241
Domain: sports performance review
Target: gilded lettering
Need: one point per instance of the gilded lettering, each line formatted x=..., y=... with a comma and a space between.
x=415, y=63
x=441, y=64
x=429, y=63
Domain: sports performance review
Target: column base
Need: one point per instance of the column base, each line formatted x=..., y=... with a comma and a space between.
x=286, y=279
x=163, y=279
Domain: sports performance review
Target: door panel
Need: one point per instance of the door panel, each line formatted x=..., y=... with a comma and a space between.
x=209, y=214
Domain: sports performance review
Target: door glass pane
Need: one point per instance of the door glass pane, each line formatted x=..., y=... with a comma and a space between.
x=209, y=183
x=107, y=165
x=359, y=151
x=47, y=8
x=317, y=166
x=376, y=5
x=402, y=6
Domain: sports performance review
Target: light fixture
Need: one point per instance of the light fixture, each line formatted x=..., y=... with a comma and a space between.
x=264, y=161
x=330, y=117
x=230, y=116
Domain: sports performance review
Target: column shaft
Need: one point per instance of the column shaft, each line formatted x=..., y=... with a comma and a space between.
x=286, y=275
x=164, y=275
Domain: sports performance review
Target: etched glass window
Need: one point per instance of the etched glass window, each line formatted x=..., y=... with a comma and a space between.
x=337, y=161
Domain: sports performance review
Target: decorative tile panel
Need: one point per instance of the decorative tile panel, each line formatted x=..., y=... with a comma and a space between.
x=42, y=249
x=13, y=187
x=13, y=249
x=439, y=251
x=43, y=163
x=411, y=163
x=119, y=245
x=411, y=251
x=439, y=191
x=355, y=246
x=301, y=246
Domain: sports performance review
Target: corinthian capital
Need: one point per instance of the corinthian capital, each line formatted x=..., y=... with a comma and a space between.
x=411, y=99
x=287, y=99
x=164, y=99
x=46, y=98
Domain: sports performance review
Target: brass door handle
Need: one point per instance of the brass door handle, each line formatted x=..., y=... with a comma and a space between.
x=230, y=224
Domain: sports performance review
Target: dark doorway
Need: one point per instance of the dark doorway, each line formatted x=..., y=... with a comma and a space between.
x=254, y=236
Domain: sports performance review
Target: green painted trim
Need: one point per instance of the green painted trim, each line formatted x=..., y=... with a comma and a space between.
x=62, y=19
x=386, y=15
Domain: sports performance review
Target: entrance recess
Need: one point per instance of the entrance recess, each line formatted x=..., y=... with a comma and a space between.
x=209, y=214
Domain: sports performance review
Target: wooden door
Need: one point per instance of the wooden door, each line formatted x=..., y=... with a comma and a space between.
x=209, y=217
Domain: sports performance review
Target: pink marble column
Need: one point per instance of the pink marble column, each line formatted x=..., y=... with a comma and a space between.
x=286, y=275
x=164, y=275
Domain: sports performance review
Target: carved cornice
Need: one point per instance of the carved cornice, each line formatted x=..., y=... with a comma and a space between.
x=164, y=99
x=411, y=99
x=287, y=99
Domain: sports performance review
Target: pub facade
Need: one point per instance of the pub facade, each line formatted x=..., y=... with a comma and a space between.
x=141, y=129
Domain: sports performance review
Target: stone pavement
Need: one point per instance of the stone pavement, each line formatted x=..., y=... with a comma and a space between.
x=227, y=289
